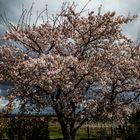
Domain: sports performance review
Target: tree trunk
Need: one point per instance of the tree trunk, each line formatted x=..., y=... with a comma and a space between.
x=67, y=132
x=64, y=131
x=72, y=132
x=64, y=127
x=72, y=135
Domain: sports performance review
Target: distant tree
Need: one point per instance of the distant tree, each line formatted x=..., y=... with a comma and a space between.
x=82, y=65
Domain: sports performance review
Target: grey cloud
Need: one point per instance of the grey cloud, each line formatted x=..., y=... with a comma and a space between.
x=10, y=8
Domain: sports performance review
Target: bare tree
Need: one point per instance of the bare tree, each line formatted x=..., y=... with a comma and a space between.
x=82, y=66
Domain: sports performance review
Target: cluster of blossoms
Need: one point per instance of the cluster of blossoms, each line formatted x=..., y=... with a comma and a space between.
x=74, y=53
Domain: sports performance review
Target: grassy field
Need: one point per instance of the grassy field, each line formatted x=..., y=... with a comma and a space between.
x=91, y=131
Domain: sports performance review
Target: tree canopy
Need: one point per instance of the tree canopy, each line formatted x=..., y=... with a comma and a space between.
x=82, y=65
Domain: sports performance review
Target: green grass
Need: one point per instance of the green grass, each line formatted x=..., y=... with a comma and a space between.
x=55, y=132
x=84, y=135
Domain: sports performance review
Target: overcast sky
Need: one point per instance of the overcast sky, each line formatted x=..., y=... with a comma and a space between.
x=13, y=9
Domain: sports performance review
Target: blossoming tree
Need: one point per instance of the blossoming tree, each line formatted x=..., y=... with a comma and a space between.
x=82, y=66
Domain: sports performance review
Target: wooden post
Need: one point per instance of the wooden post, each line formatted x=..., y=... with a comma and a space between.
x=88, y=132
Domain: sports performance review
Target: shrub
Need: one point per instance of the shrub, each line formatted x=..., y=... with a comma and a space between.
x=131, y=129
x=21, y=128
